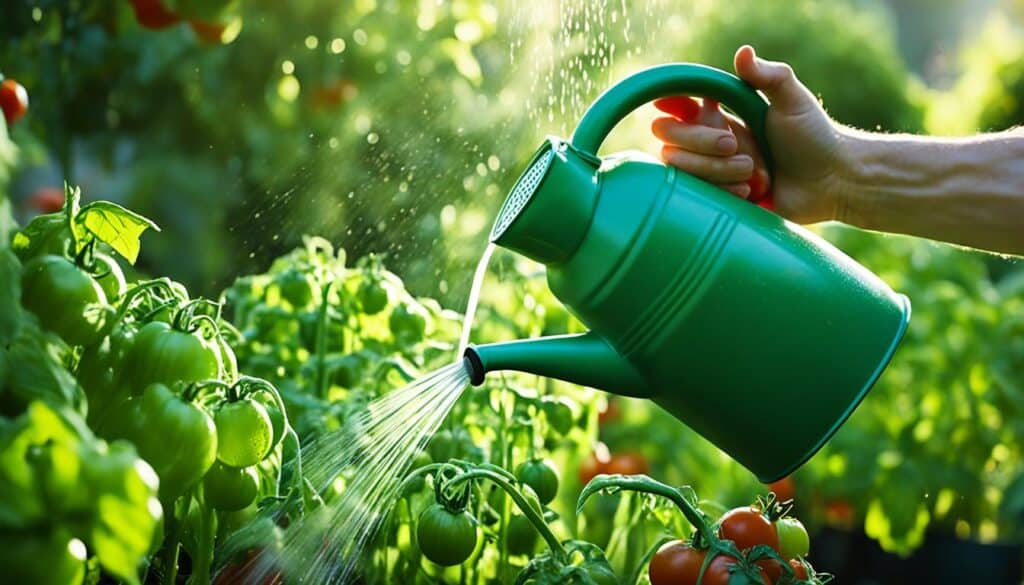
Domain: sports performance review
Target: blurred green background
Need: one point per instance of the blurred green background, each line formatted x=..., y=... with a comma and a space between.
x=397, y=127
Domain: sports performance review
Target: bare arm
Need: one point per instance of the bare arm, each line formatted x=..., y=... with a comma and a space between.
x=966, y=191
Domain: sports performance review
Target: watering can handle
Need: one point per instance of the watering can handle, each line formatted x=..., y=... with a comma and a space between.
x=670, y=80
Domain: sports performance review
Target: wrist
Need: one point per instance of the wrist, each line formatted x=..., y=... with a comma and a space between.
x=853, y=200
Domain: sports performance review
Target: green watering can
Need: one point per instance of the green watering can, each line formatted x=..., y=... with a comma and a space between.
x=756, y=333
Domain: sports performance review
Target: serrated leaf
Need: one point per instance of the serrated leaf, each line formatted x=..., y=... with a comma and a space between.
x=115, y=226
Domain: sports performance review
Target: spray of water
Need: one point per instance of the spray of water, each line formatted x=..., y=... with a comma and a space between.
x=370, y=455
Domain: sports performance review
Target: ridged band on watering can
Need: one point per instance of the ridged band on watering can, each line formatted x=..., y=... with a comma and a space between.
x=753, y=331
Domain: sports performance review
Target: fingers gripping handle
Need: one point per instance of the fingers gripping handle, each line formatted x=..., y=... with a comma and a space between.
x=669, y=80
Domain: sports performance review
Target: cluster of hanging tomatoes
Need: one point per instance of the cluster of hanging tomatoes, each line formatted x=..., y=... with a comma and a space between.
x=212, y=22
x=772, y=547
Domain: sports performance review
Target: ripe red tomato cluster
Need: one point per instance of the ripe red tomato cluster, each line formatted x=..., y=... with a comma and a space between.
x=152, y=14
x=679, y=563
x=13, y=100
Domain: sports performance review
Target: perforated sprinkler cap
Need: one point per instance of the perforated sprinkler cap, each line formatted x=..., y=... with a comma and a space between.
x=548, y=210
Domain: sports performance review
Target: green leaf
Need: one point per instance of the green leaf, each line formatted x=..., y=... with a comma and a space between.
x=46, y=234
x=116, y=226
x=20, y=482
x=10, y=295
x=127, y=511
x=39, y=374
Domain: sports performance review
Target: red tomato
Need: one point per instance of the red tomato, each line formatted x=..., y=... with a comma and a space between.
x=152, y=14
x=798, y=568
x=249, y=570
x=208, y=32
x=839, y=513
x=334, y=94
x=627, y=464
x=591, y=467
x=748, y=527
x=46, y=199
x=611, y=413
x=784, y=488
x=718, y=572
x=13, y=100
x=676, y=563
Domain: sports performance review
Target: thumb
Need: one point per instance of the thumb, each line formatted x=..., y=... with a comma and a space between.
x=775, y=79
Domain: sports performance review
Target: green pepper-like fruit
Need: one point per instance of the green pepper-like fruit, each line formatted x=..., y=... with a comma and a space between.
x=163, y=355
x=175, y=436
x=67, y=300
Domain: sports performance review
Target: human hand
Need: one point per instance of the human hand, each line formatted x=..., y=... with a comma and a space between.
x=806, y=181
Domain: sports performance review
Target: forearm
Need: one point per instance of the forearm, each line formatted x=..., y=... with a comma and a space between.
x=964, y=191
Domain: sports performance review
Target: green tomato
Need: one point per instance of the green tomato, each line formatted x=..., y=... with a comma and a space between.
x=541, y=477
x=175, y=436
x=373, y=296
x=522, y=535
x=300, y=289
x=66, y=300
x=230, y=488
x=347, y=371
x=47, y=557
x=244, y=433
x=162, y=355
x=408, y=322
x=445, y=537
x=277, y=422
x=110, y=276
x=793, y=539
x=98, y=369
x=559, y=415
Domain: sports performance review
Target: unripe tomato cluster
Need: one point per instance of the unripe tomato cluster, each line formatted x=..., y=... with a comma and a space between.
x=148, y=369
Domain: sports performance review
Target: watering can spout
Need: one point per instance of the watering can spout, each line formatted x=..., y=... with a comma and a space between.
x=584, y=359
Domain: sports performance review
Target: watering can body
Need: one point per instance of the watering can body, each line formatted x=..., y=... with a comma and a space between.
x=755, y=332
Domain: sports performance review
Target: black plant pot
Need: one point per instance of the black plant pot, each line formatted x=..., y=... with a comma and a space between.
x=943, y=559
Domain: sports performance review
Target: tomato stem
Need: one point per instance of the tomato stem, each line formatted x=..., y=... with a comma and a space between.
x=321, y=341
x=645, y=484
x=524, y=506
